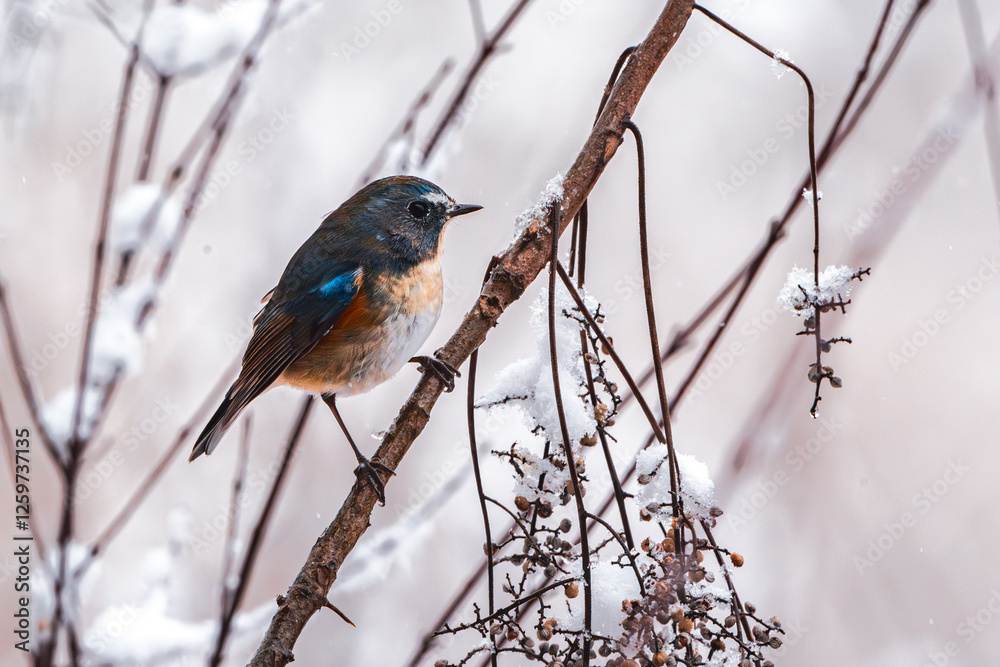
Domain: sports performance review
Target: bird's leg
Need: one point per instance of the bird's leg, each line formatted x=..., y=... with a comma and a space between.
x=440, y=368
x=367, y=470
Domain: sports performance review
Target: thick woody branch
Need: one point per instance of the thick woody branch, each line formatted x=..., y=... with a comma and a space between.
x=514, y=271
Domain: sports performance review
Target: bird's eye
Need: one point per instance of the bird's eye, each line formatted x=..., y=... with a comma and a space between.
x=418, y=209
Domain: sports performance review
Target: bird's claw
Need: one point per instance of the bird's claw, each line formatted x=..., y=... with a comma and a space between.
x=368, y=471
x=440, y=368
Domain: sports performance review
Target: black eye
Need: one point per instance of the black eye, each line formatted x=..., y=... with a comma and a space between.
x=418, y=209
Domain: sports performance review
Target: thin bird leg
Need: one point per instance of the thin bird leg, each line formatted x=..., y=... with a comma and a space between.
x=439, y=368
x=367, y=470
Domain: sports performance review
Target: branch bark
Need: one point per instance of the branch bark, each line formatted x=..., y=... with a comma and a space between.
x=515, y=269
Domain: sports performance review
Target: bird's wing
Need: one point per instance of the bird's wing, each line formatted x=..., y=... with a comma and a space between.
x=285, y=331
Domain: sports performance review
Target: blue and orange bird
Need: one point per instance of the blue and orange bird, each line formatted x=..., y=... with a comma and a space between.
x=354, y=304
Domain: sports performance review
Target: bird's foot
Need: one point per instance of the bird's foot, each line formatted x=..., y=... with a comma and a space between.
x=440, y=368
x=368, y=471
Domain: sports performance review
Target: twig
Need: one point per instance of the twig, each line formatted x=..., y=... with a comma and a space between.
x=470, y=409
x=654, y=341
x=156, y=474
x=487, y=48
x=257, y=536
x=24, y=380
x=574, y=475
x=406, y=126
x=229, y=547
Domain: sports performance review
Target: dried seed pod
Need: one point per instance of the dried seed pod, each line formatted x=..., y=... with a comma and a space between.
x=685, y=625
x=736, y=559
x=521, y=503
x=660, y=658
x=571, y=590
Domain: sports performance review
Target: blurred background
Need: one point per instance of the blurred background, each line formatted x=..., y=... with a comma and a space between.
x=868, y=531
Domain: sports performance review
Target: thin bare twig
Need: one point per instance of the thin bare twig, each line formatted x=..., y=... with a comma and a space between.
x=229, y=546
x=20, y=366
x=407, y=125
x=574, y=475
x=487, y=47
x=137, y=498
x=257, y=536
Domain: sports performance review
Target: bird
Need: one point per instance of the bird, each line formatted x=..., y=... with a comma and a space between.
x=354, y=304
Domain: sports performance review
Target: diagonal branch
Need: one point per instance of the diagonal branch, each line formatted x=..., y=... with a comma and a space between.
x=517, y=267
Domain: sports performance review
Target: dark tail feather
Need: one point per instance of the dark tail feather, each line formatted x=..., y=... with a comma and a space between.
x=217, y=427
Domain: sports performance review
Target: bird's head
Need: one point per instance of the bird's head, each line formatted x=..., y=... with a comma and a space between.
x=403, y=216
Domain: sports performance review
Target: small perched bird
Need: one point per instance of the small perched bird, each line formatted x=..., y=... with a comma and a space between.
x=355, y=302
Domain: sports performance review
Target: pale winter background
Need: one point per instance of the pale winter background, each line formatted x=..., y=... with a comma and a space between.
x=869, y=532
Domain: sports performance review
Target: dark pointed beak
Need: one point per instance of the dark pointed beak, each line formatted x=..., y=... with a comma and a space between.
x=462, y=209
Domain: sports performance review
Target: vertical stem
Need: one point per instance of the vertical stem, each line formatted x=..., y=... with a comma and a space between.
x=567, y=445
x=647, y=289
x=474, y=448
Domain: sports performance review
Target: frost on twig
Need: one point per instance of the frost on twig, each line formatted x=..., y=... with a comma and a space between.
x=539, y=212
x=526, y=386
x=697, y=489
x=810, y=295
x=142, y=212
x=186, y=40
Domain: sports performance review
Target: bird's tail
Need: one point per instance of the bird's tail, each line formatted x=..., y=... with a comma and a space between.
x=217, y=426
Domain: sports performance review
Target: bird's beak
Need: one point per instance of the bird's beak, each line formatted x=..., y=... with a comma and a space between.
x=462, y=209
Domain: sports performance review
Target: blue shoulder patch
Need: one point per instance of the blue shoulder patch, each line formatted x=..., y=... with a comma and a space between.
x=344, y=285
